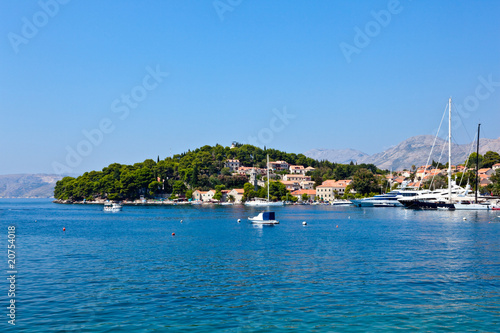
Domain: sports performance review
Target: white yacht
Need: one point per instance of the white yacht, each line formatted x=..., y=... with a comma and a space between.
x=442, y=198
x=112, y=207
x=390, y=199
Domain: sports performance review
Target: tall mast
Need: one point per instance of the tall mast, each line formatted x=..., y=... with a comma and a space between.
x=267, y=177
x=477, y=163
x=449, y=150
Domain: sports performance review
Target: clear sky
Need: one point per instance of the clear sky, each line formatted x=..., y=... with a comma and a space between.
x=149, y=78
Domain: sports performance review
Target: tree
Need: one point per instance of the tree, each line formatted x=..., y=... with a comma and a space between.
x=471, y=163
x=494, y=187
x=305, y=197
x=248, y=192
x=365, y=182
x=226, y=172
x=179, y=187
x=154, y=187
x=218, y=195
x=490, y=158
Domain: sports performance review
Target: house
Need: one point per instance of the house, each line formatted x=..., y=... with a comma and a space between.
x=485, y=171
x=310, y=168
x=297, y=178
x=495, y=167
x=278, y=165
x=310, y=193
x=421, y=174
x=341, y=185
x=484, y=180
x=237, y=194
x=325, y=192
x=307, y=185
x=405, y=173
x=232, y=164
x=297, y=169
x=399, y=179
x=204, y=196
x=291, y=185
x=197, y=195
x=329, y=188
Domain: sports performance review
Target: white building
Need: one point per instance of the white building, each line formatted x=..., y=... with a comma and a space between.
x=232, y=164
x=297, y=169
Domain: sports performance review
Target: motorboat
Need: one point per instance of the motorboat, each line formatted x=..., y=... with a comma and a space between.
x=341, y=203
x=380, y=200
x=112, y=207
x=264, y=218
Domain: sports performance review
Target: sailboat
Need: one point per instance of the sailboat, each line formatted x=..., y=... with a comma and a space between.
x=263, y=202
x=437, y=199
x=469, y=203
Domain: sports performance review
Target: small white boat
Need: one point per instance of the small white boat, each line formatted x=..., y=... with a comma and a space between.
x=341, y=203
x=268, y=218
x=112, y=207
x=226, y=204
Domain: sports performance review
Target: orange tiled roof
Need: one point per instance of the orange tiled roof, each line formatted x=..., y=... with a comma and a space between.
x=308, y=192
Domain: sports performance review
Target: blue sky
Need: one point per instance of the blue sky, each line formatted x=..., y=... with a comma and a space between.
x=274, y=73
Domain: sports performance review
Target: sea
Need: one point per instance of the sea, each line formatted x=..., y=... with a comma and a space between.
x=197, y=269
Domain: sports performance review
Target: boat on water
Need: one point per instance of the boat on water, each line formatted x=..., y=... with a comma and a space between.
x=442, y=199
x=435, y=199
x=341, y=203
x=264, y=202
x=264, y=218
x=112, y=207
x=380, y=200
x=475, y=204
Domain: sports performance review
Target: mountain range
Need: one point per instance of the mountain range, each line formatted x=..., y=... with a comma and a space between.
x=412, y=151
x=28, y=185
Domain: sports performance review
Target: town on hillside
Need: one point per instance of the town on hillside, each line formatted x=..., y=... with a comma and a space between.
x=239, y=173
x=297, y=180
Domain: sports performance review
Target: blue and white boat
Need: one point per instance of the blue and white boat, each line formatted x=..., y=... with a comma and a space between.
x=268, y=218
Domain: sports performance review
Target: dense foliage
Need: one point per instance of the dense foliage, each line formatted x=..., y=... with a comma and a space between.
x=180, y=174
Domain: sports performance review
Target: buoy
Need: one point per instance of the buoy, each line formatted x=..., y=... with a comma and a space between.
x=304, y=223
x=337, y=226
x=173, y=234
x=64, y=229
x=239, y=220
x=349, y=217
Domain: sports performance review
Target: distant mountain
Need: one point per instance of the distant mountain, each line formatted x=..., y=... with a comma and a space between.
x=28, y=185
x=412, y=151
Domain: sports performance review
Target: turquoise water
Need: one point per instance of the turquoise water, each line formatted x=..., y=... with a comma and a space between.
x=349, y=270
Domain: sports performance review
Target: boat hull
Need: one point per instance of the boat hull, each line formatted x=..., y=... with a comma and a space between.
x=263, y=203
x=419, y=204
x=472, y=207
x=375, y=203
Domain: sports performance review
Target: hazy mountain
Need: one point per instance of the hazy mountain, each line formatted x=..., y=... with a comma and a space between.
x=28, y=185
x=412, y=151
